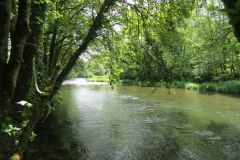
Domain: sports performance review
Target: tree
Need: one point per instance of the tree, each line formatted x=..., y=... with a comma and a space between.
x=18, y=73
x=170, y=40
x=232, y=7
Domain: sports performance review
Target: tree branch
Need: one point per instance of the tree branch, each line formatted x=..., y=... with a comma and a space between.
x=97, y=23
x=41, y=93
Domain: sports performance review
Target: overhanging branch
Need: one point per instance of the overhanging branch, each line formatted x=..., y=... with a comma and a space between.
x=97, y=23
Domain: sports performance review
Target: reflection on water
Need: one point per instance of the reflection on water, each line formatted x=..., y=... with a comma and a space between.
x=56, y=139
x=132, y=123
x=81, y=82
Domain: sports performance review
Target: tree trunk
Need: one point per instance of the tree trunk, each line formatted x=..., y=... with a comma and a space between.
x=16, y=151
x=52, y=49
x=30, y=51
x=15, y=63
x=231, y=4
x=5, y=14
x=12, y=69
x=19, y=38
x=97, y=23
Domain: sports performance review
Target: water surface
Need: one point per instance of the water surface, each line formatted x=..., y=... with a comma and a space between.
x=141, y=123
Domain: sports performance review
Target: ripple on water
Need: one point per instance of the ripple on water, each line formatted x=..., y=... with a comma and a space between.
x=186, y=154
x=148, y=120
x=161, y=119
x=210, y=135
x=129, y=97
x=217, y=138
x=204, y=133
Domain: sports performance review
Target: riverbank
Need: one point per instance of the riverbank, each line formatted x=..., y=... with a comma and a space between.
x=226, y=87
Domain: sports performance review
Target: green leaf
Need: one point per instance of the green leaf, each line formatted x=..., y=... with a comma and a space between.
x=33, y=136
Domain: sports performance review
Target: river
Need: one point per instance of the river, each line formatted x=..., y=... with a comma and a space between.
x=142, y=123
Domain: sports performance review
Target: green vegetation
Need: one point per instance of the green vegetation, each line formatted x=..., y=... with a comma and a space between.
x=190, y=85
x=194, y=43
x=43, y=43
x=226, y=87
x=231, y=87
x=98, y=79
x=46, y=40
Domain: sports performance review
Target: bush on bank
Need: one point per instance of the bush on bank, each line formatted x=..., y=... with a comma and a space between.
x=228, y=87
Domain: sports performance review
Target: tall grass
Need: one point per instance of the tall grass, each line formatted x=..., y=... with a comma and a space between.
x=228, y=87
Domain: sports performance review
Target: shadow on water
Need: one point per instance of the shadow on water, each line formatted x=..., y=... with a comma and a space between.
x=163, y=140
x=178, y=140
x=56, y=140
x=225, y=141
x=165, y=145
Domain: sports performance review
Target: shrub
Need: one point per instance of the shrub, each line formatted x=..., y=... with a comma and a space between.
x=178, y=84
x=209, y=87
x=193, y=86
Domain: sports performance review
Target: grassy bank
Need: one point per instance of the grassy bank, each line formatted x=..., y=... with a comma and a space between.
x=227, y=87
x=230, y=87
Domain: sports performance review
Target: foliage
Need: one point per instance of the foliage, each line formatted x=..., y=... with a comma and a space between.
x=230, y=87
x=226, y=87
x=99, y=79
x=195, y=43
x=149, y=42
x=40, y=42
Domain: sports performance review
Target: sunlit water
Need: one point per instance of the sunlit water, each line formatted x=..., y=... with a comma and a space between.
x=136, y=123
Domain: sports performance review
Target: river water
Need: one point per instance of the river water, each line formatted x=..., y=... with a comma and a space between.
x=142, y=123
